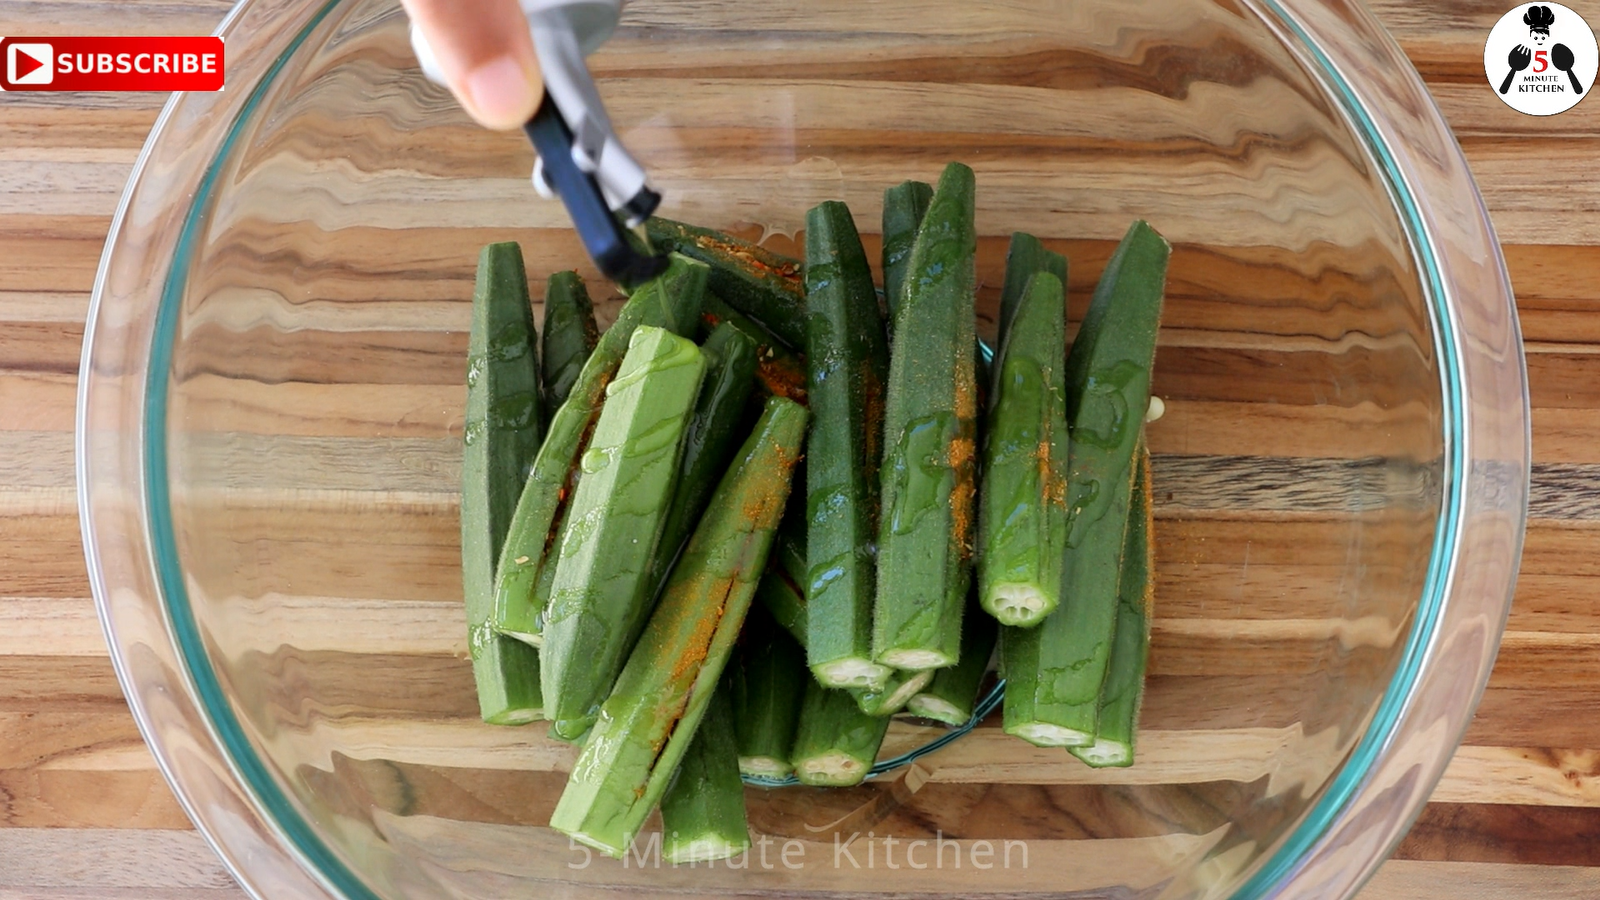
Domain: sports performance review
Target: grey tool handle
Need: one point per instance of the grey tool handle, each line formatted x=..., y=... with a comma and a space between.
x=564, y=33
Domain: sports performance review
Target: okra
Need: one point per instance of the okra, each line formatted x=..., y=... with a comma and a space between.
x=503, y=432
x=1054, y=672
x=836, y=743
x=781, y=371
x=847, y=361
x=763, y=285
x=546, y=579
x=925, y=537
x=646, y=723
x=1025, y=257
x=602, y=588
x=1022, y=517
x=767, y=685
x=784, y=602
x=952, y=694
x=702, y=811
x=570, y=335
x=1124, y=688
x=780, y=591
x=710, y=441
x=897, y=690
x=904, y=205
x=790, y=552
x=671, y=301
x=1053, y=677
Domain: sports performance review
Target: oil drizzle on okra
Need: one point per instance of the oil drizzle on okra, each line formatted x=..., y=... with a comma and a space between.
x=923, y=472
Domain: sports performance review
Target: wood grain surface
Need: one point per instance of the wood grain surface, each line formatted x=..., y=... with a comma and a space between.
x=85, y=813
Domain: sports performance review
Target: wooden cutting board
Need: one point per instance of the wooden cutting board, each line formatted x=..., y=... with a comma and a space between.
x=84, y=811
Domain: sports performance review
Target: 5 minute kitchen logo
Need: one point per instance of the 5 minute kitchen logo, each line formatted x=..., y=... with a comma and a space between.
x=1541, y=58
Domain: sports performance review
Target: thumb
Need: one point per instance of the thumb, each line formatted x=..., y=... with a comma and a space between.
x=486, y=55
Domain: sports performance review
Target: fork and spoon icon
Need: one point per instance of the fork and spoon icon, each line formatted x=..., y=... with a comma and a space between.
x=1560, y=56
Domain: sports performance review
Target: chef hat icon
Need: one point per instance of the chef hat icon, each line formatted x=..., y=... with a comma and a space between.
x=1539, y=19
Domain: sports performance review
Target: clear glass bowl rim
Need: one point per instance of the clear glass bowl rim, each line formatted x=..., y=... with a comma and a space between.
x=1330, y=37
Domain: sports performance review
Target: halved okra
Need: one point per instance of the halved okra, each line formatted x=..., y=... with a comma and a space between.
x=603, y=579
x=764, y=285
x=1123, y=691
x=671, y=301
x=503, y=432
x=712, y=437
x=655, y=707
x=847, y=360
x=1022, y=517
x=925, y=535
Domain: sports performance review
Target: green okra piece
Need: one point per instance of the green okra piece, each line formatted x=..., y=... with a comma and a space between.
x=904, y=205
x=647, y=722
x=671, y=301
x=1108, y=391
x=784, y=602
x=767, y=686
x=763, y=285
x=1123, y=692
x=953, y=693
x=782, y=372
x=602, y=588
x=570, y=335
x=897, y=690
x=1022, y=515
x=702, y=811
x=712, y=437
x=836, y=743
x=503, y=432
x=847, y=360
x=925, y=536
x=780, y=592
x=790, y=552
x=1049, y=702
x=546, y=578
x=1025, y=257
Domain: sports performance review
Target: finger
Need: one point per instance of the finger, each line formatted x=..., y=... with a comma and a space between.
x=485, y=54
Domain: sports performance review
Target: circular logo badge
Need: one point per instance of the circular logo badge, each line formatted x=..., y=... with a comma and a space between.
x=1541, y=58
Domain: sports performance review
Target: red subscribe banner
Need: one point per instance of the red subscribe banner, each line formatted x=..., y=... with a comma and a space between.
x=111, y=63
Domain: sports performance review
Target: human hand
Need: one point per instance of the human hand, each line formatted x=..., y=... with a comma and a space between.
x=486, y=55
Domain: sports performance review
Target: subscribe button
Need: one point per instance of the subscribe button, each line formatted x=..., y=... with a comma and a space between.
x=111, y=63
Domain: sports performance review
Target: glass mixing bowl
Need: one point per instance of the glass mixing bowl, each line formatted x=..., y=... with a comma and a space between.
x=272, y=395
